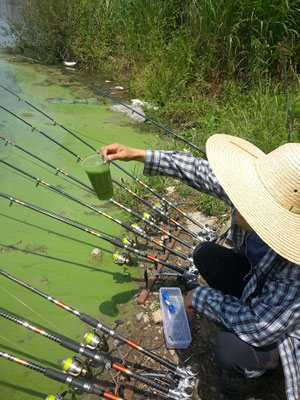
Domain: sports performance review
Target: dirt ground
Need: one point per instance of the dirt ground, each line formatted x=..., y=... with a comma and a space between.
x=142, y=329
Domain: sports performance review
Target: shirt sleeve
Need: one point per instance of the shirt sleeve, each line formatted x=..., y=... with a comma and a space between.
x=195, y=172
x=262, y=320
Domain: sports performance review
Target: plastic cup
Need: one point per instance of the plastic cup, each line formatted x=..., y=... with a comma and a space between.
x=98, y=172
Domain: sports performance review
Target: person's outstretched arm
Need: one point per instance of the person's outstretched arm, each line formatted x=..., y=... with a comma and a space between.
x=118, y=151
x=195, y=172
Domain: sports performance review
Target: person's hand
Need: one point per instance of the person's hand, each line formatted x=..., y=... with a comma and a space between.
x=188, y=303
x=118, y=151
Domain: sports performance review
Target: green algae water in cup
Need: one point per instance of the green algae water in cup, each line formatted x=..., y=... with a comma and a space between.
x=98, y=172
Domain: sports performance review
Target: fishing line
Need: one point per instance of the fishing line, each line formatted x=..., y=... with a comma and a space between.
x=198, y=237
x=10, y=342
x=183, y=372
x=58, y=170
x=124, y=105
x=123, y=224
x=94, y=356
x=61, y=377
x=31, y=309
x=33, y=129
x=185, y=273
x=135, y=214
x=205, y=228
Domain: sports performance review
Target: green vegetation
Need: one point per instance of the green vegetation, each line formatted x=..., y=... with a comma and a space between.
x=211, y=66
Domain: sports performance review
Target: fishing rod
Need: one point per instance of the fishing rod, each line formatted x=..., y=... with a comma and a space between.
x=77, y=368
x=34, y=129
x=130, y=228
x=61, y=377
x=210, y=232
x=183, y=372
x=190, y=275
x=133, y=213
x=124, y=105
x=206, y=229
x=58, y=170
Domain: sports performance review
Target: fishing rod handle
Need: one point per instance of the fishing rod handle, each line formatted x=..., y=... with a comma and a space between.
x=172, y=267
x=61, y=377
x=158, y=386
x=98, y=325
x=74, y=382
x=92, y=321
x=67, y=343
x=93, y=355
x=151, y=223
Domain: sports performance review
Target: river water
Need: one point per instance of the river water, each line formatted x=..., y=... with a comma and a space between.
x=45, y=253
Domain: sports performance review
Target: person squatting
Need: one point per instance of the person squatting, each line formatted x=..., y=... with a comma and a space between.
x=253, y=289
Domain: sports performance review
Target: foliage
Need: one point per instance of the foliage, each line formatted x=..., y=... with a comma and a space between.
x=211, y=66
x=179, y=42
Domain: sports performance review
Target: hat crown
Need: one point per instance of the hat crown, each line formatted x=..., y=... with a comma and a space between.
x=279, y=172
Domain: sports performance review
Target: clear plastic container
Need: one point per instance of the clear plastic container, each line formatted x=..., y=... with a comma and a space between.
x=99, y=176
x=175, y=324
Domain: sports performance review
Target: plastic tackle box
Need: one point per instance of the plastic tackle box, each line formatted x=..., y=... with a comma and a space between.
x=175, y=324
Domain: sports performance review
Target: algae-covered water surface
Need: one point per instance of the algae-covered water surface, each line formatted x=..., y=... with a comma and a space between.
x=43, y=252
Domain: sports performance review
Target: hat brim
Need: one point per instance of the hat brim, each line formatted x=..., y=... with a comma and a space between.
x=233, y=161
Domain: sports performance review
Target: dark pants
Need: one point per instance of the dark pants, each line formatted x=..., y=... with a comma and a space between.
x=227, y=271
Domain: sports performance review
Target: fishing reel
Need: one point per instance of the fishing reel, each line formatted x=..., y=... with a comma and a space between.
x=95, y=341
x=60, y=397
x=121, y=258
x=163, y=210
x=129, y=242
x=187, y=151
x=185, y=389
x=149, y=217
x=137, y=228
x=209, y=234
x=76, y=367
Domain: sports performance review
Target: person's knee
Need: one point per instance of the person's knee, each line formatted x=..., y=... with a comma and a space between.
x=225, y=357
x=202, y=255
x=231, y=354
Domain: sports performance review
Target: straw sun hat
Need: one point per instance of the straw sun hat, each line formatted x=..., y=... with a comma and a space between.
x=265, y=188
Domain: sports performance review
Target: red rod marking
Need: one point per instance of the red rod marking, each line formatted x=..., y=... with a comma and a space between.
x=62, y=305
x=20, y=361
x=134, y=345
x=111, y=396
x=121, y=369
x=152, y=258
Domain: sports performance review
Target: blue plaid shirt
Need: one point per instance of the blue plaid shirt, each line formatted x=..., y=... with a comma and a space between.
x=273, y=315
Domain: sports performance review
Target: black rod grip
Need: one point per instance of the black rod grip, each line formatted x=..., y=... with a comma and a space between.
x=71, y=381
x=89, y=320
